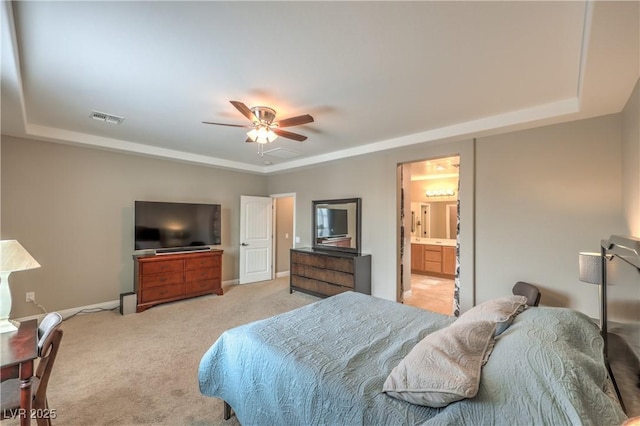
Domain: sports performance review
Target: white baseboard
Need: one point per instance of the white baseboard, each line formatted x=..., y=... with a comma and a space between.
x=66, y=313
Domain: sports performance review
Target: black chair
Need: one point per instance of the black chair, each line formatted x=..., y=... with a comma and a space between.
x=530, y=291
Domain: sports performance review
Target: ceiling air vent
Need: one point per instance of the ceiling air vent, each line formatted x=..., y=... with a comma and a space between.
x=282, y=153
x=107, y=118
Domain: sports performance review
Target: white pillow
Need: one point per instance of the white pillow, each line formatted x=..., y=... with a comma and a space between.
x=443, y=367
x=502, y=311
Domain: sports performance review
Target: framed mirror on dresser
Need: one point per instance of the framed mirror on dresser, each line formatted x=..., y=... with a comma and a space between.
x=336, y=225
x=334, y=264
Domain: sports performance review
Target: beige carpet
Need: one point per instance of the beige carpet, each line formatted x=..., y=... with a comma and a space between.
x=143, y=368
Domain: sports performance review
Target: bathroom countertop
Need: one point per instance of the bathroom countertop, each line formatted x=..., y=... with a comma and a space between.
x=434, y=241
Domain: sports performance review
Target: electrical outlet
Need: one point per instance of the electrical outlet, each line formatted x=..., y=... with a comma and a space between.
x=31, y=296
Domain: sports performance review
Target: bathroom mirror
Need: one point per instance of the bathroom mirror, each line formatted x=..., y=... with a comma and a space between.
x=434, y=219
x=336, y=225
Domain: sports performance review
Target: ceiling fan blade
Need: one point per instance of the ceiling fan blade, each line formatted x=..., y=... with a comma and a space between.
x=289, y=135
x=249, y=140
x=225, y=124
x=295, y=121
x=244, y=110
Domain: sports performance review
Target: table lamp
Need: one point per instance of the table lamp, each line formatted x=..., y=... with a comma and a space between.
x=590, y=266
x=13, y=257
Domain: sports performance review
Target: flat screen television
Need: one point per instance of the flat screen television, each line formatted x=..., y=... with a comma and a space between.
x=332, y=222
x=165, y=226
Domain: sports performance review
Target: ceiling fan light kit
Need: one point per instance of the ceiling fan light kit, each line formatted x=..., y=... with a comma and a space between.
x=261, y=134
x=263, y=127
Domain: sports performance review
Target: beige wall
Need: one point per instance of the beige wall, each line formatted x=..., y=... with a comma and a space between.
x=72, y=208
x=631, y=162
x=543, y=195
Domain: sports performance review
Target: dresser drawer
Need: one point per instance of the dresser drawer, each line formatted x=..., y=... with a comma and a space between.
x=331, y=290
x=201, y=274
x=154, y=280
x=305, y=283
x=308, y=259
x=428, y=247
x=339, y=264
x=329, y=276
x=202, y=286
x=202, y=262
x=320, y=287
x=162, y=292
x=298, y=269
x=323, y=262
x=161, y=267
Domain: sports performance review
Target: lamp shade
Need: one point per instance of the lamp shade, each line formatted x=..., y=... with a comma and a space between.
x=590, y=265
x=13, y=257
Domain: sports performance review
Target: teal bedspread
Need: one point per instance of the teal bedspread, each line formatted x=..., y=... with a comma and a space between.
x=325, y=364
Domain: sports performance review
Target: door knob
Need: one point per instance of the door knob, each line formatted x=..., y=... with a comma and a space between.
x=244, y=244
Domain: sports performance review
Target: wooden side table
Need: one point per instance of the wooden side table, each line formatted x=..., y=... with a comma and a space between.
x=18, y=350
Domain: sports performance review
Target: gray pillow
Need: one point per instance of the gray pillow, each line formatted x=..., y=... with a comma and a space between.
x=443, y=367
x=502, y=311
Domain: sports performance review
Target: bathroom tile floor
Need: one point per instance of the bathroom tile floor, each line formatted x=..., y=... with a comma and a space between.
x=431, y=293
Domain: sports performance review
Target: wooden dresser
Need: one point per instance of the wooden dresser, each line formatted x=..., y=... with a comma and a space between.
x=170, y=277
x=324, y=273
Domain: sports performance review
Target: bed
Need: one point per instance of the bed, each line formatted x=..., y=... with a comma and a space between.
x=327, y=363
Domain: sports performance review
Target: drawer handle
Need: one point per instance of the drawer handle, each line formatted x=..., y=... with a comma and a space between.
x=163, y=279
x=162, y=293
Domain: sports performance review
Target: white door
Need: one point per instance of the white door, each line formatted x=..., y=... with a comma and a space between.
x=255, y=239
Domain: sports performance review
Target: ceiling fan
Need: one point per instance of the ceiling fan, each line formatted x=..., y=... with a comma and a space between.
x=263, y=127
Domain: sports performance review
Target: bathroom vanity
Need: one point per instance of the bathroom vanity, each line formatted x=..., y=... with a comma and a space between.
x=432, y=256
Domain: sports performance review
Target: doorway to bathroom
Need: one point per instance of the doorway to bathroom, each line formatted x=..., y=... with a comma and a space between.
x=430, y=224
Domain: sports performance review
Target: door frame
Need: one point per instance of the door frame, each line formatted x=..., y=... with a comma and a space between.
x=404, y=246
x=293, y=232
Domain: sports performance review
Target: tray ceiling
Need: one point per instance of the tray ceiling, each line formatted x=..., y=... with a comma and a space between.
x=374, y=75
